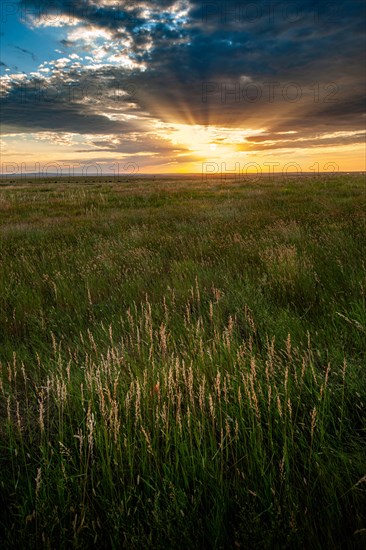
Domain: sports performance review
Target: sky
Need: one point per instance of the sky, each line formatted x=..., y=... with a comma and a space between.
x=182, y=86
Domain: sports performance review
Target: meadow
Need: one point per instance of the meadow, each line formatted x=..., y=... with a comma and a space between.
x=183, y=363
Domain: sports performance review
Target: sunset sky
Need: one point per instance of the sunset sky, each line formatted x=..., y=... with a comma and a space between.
x=168, y=86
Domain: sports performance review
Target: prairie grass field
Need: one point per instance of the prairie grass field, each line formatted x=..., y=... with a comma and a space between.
x=183, y=363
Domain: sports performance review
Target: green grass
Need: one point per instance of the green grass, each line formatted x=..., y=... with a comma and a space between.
x=183, y=363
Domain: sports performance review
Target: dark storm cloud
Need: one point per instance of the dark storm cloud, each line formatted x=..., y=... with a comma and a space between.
x=207, y=67
x=55, y=104
x=19, y=117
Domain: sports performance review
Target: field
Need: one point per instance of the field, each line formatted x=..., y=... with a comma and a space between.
x=183, y=363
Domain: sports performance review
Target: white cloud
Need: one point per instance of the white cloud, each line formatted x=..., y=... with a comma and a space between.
x=52, y=20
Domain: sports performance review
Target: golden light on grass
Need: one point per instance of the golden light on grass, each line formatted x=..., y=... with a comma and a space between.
x=214, y=372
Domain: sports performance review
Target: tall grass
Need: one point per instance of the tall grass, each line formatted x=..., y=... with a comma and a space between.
x=167, y=386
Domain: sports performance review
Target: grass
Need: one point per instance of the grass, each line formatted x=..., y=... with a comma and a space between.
x=183, y=363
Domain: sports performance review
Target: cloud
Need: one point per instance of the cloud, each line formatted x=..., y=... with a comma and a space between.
x=274, y=142
x=296, y=67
